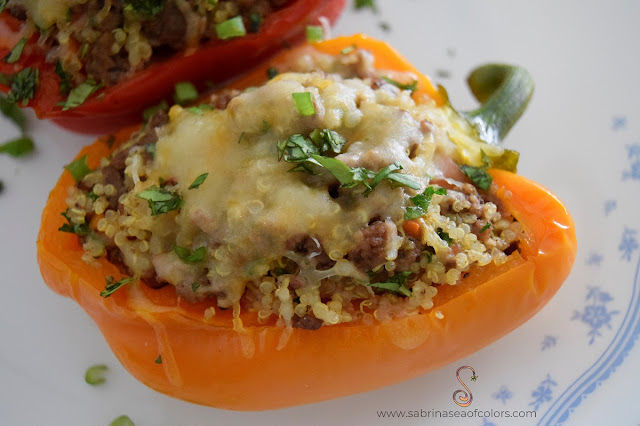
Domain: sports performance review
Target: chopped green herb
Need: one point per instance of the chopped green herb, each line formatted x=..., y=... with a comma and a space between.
x=112, y=286
x=18, y=147
x=187, y=256
x=80, y=229
x=395, y=284
x=315, y=33
x=444, y=236
x=307, y=152
x=3, y=3
x=485, y=227
x=422, y=202
x=1, y=187
x=348, y=49
x=24, y=85
x=363, y=4
x=16, y=52
x=151, y=149
x=13, y=112
x=122, y=421
x=184, y=93
x=413, y=86
x=231, y=28
x=95, y=374
x=65, y=79
x=80, y=93
x=92, y=195
x=160, y=200
x=198, y=181
x=78, y=168
x=158, y=360
x=304, y=103
x=478, y=176
x=152, y=110
x=241, y=137
x=255, y=20
x=325, y=140
x=144, y=7
x=194, y=286
x=271, y=72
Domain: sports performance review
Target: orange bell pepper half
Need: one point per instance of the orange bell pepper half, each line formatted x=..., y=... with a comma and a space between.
x=207, y=362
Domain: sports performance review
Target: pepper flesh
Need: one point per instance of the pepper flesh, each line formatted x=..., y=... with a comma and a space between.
x=207, y=362
x=122, y=104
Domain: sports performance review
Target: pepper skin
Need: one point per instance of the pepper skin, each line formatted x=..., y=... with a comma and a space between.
x=121, y=105
x=207, y=362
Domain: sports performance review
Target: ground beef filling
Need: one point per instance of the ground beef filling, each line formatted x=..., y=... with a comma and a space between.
x=115, y=42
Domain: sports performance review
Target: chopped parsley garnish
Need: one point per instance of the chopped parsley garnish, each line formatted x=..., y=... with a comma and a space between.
x=78, y=168
x=187, y=256
x=16, y=52
x=255, y=20
x=112, y=286
x=80, y=93
x=315, y=33
x=80, y=229
x=395, y=284
x=17, y=147
x=364, y=4
x=95, y=374
x=194, y=286
x=198, y=181
x=158, y=360
x=65, y=79
x=413, y=86
x=309, y=152
x=13, y=112
x=231, y=28
x=152, y=110
x=479, y=176
x=92, y=195
x=200, y=109
x=348, y=49
x=24, y=85
x=271, y=72
x=160, y=200
x=422, y=201
x=184, y=93
x=122, y=421
x=304, y=103
x=144, y=7
x=485, y=227
x=444, y=236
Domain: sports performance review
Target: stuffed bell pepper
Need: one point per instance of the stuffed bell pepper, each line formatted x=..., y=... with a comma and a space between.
x=94, y=65
x=327, y=225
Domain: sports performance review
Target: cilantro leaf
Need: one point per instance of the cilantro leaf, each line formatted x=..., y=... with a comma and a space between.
x=80, y=93
x=16, y=52
x=363, y=4
x=24, y=85
x=187, y=256
x=478, y=176
x=395, y=284
x=325, y=140
x=422, y=202
x=160, y=200
x=198, y=181
x=12, y=111
x=17, y=147
x=80, y=229
x=144, y=7
x=65, y=79
x=111, y=285
x=412, y=87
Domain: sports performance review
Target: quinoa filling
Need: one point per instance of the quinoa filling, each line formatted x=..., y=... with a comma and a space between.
x=108, y=40
x=354, y=211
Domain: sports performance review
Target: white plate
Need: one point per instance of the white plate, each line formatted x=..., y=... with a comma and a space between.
x=573, y=363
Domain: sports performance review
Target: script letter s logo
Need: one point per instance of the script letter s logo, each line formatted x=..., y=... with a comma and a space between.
x=466, y=398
